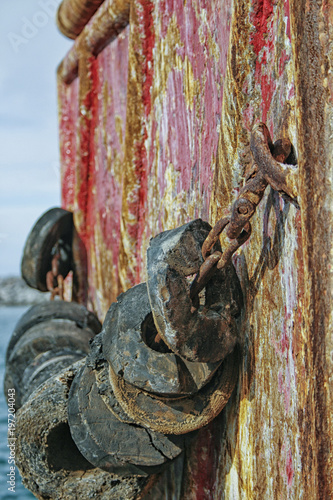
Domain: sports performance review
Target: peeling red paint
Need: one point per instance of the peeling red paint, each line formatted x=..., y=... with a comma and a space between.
x=177, y=136
x=186, y=125
x=177, y=78
x=289, y=468
x=96, y=168
x=282, y=62
x=287, y=15
x=181, y=147
x=68, y=117
x=261, y=13
x=92, y=112
x=284, y=342
x=83, y=156
x=285, y=388
x=263, y=45
x=189, y=28
x=141, y=173
x=200, y=476
x=148, y=46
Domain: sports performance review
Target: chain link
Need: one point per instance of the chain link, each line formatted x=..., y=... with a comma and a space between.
x=268, y=169
x=55, y=277
x=55, y=280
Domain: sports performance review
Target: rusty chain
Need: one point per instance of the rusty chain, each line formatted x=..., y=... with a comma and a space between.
x=55, y=280
x=55, y=277
x=268, y=169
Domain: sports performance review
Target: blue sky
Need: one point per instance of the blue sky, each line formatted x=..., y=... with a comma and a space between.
x=31, y=48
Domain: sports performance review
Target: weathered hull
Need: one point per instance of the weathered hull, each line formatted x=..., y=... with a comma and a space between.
x=154, y=131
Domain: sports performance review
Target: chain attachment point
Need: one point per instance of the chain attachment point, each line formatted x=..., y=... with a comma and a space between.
x=279, y=176
x=216, y=260
x=59, y=264
x=269, y=168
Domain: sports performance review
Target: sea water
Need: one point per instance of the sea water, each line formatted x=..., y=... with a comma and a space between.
x=9, y=316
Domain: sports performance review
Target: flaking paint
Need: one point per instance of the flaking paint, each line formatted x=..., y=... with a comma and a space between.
x=200, y=74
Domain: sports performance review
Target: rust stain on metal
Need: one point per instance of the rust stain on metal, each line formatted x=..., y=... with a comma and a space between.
x=134, y=172
x=68, y=115
x=94, y=160
x=312, y=34
x=179, y=149
x=262, y=425
x=238, y=227
x=182, y=77
x=282, y=178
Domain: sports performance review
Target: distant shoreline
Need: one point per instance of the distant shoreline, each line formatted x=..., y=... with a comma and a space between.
x=15, y=292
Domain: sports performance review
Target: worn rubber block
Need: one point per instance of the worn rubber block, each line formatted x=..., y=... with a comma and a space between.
x=102, y=374
x=127, y=332
x=178, y=416
x=53, y=336
x=209, y=333
x=53, y=225
x=49, y=462
x=54, y=310
x=107, y=442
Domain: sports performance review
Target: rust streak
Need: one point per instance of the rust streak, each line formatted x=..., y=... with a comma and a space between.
x=314, y=103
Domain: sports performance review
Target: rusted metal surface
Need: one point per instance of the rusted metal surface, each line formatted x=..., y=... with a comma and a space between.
x=252, y=192
x=239, y=240
x=54, y=279
x=313, y=34
x=94, y=164
x=110, y=20
x=177, y=56
x=282, y=178
x=237, y=225
x=194, y=78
